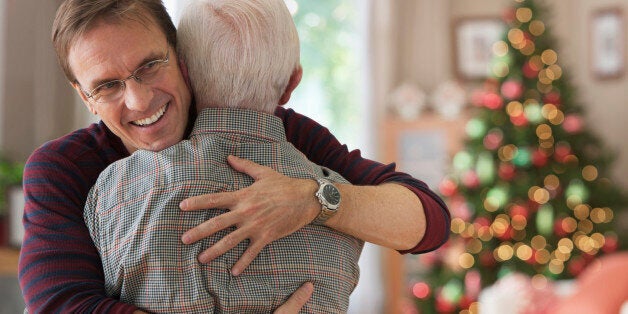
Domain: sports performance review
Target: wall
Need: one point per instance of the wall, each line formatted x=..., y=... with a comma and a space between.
x=36, y=102
x=423, y=54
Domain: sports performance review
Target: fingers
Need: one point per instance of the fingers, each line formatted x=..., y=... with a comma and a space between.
x=297, y=300
x=245, y=260
x=209, y=227
x=225, y=244
x=254, y=170
x=215, y=200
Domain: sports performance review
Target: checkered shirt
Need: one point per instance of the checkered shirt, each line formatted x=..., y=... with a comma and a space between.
x=135, y=222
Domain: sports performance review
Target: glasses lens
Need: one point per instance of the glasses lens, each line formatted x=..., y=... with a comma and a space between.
x=108, y=91
x=149, y=71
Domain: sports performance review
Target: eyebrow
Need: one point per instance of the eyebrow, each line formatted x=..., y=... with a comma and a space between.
x=152, y=57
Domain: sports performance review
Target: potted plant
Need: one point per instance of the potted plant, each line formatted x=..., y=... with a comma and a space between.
x=10, y=177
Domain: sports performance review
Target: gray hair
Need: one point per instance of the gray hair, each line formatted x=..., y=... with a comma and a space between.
x=239, y=53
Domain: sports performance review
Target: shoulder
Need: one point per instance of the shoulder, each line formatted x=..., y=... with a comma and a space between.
x=89, y=149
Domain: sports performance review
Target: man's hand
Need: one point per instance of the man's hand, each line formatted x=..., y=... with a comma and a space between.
x=297, y=300
x=273, y=207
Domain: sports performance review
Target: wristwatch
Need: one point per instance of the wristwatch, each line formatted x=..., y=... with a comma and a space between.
x=329, y=197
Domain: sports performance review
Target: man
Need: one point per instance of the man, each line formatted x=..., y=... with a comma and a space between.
x=132, y=211
x=60, y=270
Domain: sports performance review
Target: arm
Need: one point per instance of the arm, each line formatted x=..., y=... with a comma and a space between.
x=400, y=212
x=388, y=187
x=59, y=267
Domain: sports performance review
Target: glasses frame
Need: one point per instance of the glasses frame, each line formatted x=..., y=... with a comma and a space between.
x=134, y=75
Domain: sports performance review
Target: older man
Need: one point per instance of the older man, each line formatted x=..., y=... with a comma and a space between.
x=60, y=269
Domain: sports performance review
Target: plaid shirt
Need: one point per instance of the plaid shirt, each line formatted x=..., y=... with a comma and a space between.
x=134, y=219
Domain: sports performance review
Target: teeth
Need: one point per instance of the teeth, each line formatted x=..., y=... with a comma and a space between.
x=151, y=120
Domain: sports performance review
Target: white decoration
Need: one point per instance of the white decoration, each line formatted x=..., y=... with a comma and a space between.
x=407, y=101
x=448, y=99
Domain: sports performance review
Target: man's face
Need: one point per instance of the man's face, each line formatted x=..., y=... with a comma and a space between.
x=147, y=116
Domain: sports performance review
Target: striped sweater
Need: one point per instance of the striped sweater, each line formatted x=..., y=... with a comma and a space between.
x=60, y=270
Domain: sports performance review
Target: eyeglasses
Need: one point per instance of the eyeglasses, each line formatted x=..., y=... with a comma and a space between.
x=112, y=91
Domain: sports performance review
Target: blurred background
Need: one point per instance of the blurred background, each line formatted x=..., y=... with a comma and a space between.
x=512, y=110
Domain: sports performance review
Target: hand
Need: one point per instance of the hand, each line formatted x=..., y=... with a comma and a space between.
x=273, y=207
x=297, y=300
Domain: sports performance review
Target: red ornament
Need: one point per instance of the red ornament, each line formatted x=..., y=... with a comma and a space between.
x=610, y=244
x=506, y=171
x=492, y=101
x=519, y=120
x=561, y=152
x=519, y=210
x=508, y=234
x=443, y=305
x=529, y=70
x=553, y=98
x=573, y=124
x=509, y=15
x=448, y=187
x=481, y=222
x=487, y=259
x=493, y=140
x=576, y=265
x=539, y=158
x=512, y=89
x=470, y=179
x=559, y=231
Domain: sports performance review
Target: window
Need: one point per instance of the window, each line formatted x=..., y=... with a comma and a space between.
x=330, y=91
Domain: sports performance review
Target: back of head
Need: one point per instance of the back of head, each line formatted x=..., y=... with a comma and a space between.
x=76, y=17
x=239, y=53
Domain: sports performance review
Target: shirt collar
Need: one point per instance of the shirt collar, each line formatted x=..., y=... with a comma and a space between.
x=237, y=121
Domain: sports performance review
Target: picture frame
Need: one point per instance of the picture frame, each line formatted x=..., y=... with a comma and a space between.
x=473, y=46
x=607, y=44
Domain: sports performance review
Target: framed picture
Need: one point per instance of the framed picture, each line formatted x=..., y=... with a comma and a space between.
x=473, y=46
x=608, y=46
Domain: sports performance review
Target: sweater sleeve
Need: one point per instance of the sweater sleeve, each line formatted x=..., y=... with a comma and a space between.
x=322, y=148
x=59, y=268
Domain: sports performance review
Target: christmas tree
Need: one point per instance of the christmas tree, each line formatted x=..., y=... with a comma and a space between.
x=530, y=192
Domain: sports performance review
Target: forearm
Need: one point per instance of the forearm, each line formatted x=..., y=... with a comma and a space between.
x=59, y=267
x=388, y=214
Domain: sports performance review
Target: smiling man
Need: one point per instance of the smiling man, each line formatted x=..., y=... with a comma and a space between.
x=106, y=44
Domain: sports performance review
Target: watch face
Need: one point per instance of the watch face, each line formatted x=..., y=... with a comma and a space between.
x=331, y=194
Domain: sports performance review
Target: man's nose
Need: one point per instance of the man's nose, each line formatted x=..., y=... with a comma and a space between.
x=137, y=96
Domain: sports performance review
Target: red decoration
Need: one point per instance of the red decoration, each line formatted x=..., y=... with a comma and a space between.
x=487, y=259
x=443, y=305
x=512, y=89
x=576, y=265
x=519, y=210
x=492, y=101
x=470, y=179
x=506, y=171
x=448, y=187
x=573, y=123
x=421, y=290
x=561, y=152
x=539, y=158
x=552, y=98
x=519, y=120
x=509, y=15
x=610, y=244
x=559, y=231
x=493, y=140
x=529, y=70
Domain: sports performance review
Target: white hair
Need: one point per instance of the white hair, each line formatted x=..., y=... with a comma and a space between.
x=239, y=53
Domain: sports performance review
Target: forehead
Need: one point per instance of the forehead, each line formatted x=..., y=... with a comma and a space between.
x=110, y=50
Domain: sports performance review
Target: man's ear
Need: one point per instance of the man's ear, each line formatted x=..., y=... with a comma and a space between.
x=88, y=104
x=294, y=81
x=184, y=71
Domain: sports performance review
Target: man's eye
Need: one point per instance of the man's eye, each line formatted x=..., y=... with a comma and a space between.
x=106, y=87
